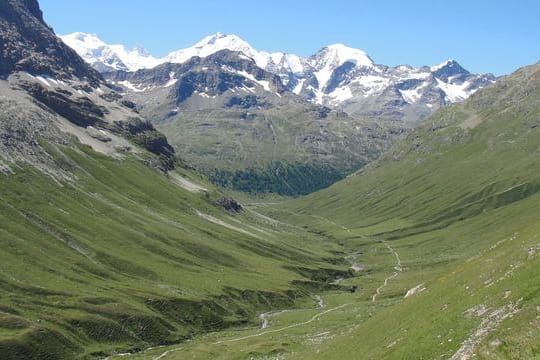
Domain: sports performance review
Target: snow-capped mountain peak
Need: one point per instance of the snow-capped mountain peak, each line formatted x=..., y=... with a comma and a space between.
x=88, y=41
x=212, y=44
x=328, y=59
x=338, y=54
x=337, y=75
x=441, y=65
x=106, y=57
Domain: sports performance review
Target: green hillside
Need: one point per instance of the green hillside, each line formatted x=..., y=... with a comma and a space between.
x=458, y=200
x=121, y=257
x=112, y=246
x=449, y=217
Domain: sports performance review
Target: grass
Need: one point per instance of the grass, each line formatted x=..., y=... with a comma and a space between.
x=119, y=259
x=284, y=150
x=459, y=204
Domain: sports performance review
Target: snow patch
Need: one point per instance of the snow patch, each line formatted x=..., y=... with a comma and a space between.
x=265, y=84
x=411, y=96
x=371, y=84
x=341, y=94
x=43, y=80
x=131, y=86
x=455, y=92
x=172, y=80
x=298, y=88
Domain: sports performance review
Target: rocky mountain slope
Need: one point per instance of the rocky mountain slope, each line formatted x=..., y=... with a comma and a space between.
x=336, y=76
x=49, y=94
x=28, y=44
x=237, y=123
x=258, y=121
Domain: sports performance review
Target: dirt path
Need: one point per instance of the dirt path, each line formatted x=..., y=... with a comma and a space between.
x=332, y=222
x=217, y=221
x=265, y=317
x=167, y=353
x=312, y=319
x=398, y=269
x=186, y=184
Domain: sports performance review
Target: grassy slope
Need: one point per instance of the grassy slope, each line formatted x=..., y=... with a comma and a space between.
x=119, y=259
x=488, y=263
x=285, y=150
x=460, y=208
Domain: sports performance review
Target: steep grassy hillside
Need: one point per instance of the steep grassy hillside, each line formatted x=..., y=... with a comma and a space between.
x=123, y=257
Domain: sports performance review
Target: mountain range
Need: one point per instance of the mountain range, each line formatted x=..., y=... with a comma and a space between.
x=241, y=116
x=112, y=247
x=336, y=76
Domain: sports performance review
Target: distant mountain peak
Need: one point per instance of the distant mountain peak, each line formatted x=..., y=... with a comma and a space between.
x=448, y=70
x=210, y=45
x=443, y=64
x=336, y=75
x=342, y=53
x=449, y=65
x=105, y=57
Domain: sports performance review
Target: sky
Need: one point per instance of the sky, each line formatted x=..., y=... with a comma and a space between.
x=483, y=36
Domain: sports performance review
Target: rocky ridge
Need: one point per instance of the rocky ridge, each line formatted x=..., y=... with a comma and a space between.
x=336, y=76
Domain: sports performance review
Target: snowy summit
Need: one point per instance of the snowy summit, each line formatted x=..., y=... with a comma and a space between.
x=104, y=57
x=336, y=75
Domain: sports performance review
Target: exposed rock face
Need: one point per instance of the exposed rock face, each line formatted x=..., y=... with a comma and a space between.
x=336, y=76
x=48, y=94
x=211, y=76
x=236, y=123
x=79, y=110
x=229, y=204
x=28, y=44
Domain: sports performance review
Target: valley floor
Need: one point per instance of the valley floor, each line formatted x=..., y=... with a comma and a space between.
x=417, y=297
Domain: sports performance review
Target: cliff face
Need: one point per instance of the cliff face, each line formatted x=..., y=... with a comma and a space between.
x=28, y=44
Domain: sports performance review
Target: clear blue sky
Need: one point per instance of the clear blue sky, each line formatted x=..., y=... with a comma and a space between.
x=495, y=36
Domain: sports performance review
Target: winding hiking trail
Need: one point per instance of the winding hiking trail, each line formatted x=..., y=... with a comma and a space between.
x=167, y=353
x=398, y=269
x=264, y=317
x=312, y=319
